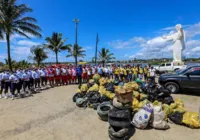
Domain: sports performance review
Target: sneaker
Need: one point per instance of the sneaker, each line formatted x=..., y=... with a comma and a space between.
x=12, y=97
x=5, y=96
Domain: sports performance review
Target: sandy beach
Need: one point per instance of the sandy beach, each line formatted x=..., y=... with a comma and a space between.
x=51, y=115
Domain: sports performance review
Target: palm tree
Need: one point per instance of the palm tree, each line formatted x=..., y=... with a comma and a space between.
x=24, y=64
x=13, y=20
x=38, y=54
x=56, y=44
x=105, y=56
x=72, y=52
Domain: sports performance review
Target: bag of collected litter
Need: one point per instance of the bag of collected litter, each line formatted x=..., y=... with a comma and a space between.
x=158, y=117
x=143, y=96
x=95, y=87
x=164, y=92
x=141, y=104
x=173, y=106
x=120, y=105
x=102, y=81
x=103, y=109
x=176, y=118
x=109, y=95
x=120, y=83
x=91, y=83
x=168, y=100
x=77, y=95
x=93, y=97
x=191, y=119
x=157, y=103
x=84, y=87
x=179, y=103
x=104, y=98
x=102, y=90
x=82, y=102
x=179, y=109
x=136, y=95
x=123, y=96
x=135, y=104
x=142, y=117
x=110, y=87
x=167, y=110
x=96, y=78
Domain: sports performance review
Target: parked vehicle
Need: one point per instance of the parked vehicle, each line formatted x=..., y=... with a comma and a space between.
x=185, y=79
x=169, y=67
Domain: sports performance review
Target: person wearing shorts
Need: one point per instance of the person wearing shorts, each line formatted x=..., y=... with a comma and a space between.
x=73, y=76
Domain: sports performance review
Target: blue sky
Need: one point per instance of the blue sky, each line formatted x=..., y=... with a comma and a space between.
x=129, y=28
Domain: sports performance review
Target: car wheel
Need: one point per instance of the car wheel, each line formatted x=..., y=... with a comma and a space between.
x=173, y=87
x=176, y=70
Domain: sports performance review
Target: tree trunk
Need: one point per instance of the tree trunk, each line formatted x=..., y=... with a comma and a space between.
x=103, y=63
x=8, y=50
x=76, y=63
x=56, y=57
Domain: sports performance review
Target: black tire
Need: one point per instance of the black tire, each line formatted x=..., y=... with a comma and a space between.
x=103, y=114
x=173, y=87
x=118, y=132
x=176, y=70
x=127, y=137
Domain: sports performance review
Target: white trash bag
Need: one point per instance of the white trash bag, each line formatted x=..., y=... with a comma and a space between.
x=143, y=116
x=158, y=117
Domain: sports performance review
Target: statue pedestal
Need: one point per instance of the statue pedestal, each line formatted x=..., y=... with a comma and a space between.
x=178, y=63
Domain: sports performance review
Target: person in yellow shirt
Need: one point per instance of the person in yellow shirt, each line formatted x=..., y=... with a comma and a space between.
x=121, y=72
x=116, y=72
x=145, y=72
x=135, y=73
x=141, y=72
x=129, y=73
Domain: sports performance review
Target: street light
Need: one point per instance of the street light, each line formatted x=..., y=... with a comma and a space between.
x=76, y=39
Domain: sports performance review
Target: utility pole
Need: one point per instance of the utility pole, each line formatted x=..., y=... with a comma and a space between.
x=97, y=41
x=76, y=39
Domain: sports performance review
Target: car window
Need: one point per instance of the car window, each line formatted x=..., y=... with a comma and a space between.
x=162, y=65
x=195, y=71
x=168, y=64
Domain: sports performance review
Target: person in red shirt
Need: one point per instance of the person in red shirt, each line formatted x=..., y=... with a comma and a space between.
x=64, y=76
x=51, y=76
x=84, y=75
x=74, y=75
x=57, y=76
x=70, y=75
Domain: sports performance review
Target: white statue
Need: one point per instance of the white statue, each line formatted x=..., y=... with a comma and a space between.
x=179, y=43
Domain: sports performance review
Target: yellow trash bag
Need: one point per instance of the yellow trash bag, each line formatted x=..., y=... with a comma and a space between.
x=95, y=87
x=78, y=91
x=191, y=119
x=84, y=87
x=179, y=103
x=141, y=104
x=167, y=110
x=132, y=85
x=173, y=106
x=136, y=95
x=135, y=104
x=110, y=95
x=102, y=90
x=156, y=103
x=179, y=109
x=102, y=81
x=142, y=96
x=96, y=77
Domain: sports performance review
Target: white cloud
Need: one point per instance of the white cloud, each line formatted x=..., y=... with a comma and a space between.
x=131, y=43
x=193, y=30
x=27, y=43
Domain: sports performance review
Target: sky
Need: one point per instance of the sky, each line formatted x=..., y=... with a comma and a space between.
x=128, y=28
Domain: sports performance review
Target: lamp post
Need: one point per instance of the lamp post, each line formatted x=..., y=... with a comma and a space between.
x=76, y=39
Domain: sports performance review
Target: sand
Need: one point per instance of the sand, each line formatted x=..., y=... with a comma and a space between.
x=51, y=115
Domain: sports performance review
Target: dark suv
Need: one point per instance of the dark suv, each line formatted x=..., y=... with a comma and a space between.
x=186, y=79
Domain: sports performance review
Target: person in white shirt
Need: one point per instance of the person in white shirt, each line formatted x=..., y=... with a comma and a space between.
x=25, y=78
x=64, y=76
x=93, y=70
x=43, y=76
x=2, y=84
x=106, y=72
x=14, y=79
x=6, y=79
x=152, y=74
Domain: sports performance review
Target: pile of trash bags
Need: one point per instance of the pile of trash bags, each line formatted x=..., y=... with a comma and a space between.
x=129, y=105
